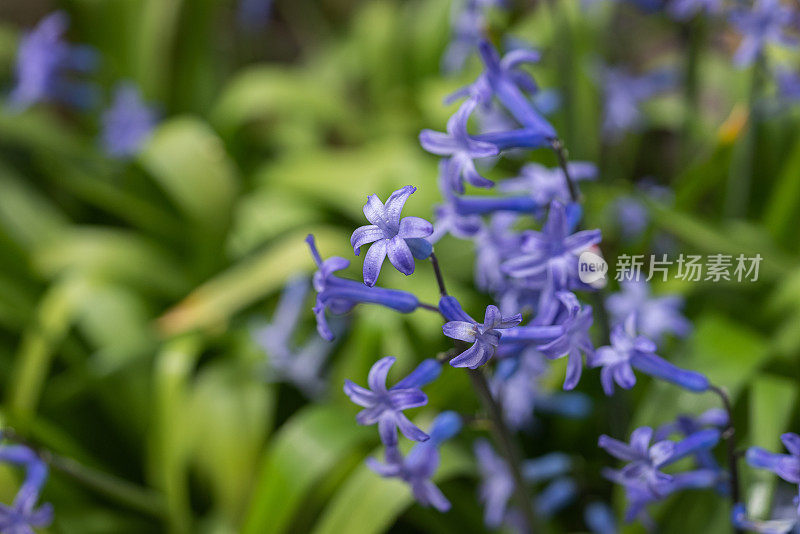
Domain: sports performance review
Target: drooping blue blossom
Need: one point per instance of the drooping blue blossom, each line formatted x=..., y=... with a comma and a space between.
x=515, y=385
x=497, y=484
x=401, y=240
x=574, y=342
x=421, y=464
x=686, y=425
x=301, y=366
x=766, y=23
x=128, y=123
x=468, y=22
x=655, y=316
x=549, y=259
x=624, y=93
x=46, y=65
x=340, y=295
x=460, y=148
x=786, y=466
x=740, y=520
x=630, y=351
x=385, y=406
x=484, y=337
x=686, y=9
x=600, y=518
x=642, y=477
x=22, y=516
x=504, y=80
x=545, y=184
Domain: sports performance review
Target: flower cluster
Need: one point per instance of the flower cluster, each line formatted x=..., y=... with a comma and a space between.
x=48, y=69
x=23, y=515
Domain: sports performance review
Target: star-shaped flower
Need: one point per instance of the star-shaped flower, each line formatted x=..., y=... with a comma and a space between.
x=656, y=316
x=549, y=259
x=421, y=464
x=385, y=406
x=786, y=466
x=22, y=516
x=629, y=350
x=460, y=148
x=484, y=337
x=400, y=239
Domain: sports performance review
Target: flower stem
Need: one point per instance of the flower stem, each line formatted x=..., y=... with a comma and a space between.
x=509, y=448
x=500, y=431
x=561, y=154
x=729, y=434
x=429, y=307
x=439, y=277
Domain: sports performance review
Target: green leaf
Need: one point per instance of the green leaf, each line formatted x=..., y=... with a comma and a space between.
x=772, y=401
x=189, y=162
x=217, y=300
x=306, y=448
x=232, y=410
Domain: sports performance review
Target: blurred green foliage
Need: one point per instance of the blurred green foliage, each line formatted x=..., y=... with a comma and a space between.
x=128, y=290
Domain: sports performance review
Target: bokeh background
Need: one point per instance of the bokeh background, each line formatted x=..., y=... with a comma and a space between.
x=130, y=289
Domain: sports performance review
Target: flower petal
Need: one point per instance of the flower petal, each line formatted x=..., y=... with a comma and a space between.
x=400, y=255
x=437, y=143
x=410, y=430
x=617, y=448
x=374, y=211
x=387, y=429
x=363, y=235
x=361, y=396
x=373, y=261
x=414, y=227
x=792, y=443
x=395, y=202
x=460, y=330
x=378, y=373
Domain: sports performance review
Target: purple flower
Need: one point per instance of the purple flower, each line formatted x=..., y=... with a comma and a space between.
x=600, y=519
x=773, y=526
x=301, y=367
x=484, y=337
x=460, y=149
x=544, y=184
x=385, y=406
x=500, y=71
x=45, y=64
x=22, y=515
x=628, y=351
x=422, y=462
x=497, y=484
x=786, y=466
x=495, y=243
x=448, y=220
x=128, y=123
x=549, y=258
x=515, y=386
x=765, y=23
x=340, y=295
x=624, y=93
x=507, y=83
x=631, y=216
x=655, y=316
x=642, y=476
x=686, y=9
x=467, y=22
x=401, y=240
